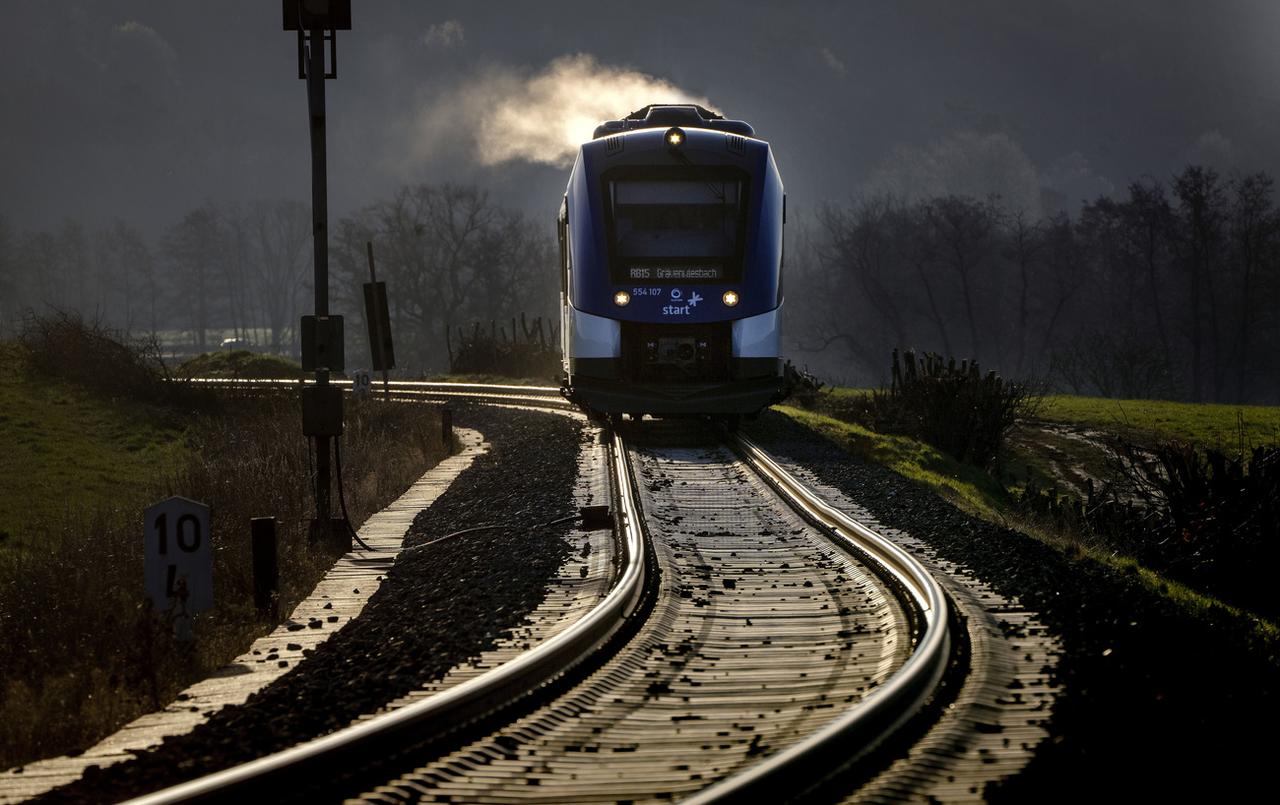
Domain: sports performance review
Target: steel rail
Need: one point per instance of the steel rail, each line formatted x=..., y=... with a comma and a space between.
x=884, y=710
x=535, y=395
x=467, y=701
x=786, y=774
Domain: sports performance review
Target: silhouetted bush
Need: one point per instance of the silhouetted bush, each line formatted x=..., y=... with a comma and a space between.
x=493, y=352
x=954, y=408
x=64, y=346
x=1200, y=516
x=1208, y=519
x=802, y=387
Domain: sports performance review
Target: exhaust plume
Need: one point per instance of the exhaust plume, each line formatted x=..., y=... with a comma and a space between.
x=543, y=118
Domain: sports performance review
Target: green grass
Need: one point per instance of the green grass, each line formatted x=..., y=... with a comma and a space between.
x=967, y=486
x=1209, y=424
x=76, y=470
x=978, y=493
x=841, y=393
x=240, y=363
x=67, y=450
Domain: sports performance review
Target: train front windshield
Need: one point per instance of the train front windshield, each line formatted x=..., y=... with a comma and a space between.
x=676, y=229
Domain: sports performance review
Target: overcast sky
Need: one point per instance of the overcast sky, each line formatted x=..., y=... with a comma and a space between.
x=143, y=109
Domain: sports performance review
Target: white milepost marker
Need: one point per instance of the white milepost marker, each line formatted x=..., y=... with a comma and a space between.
x=179, y=560
x=361, y=381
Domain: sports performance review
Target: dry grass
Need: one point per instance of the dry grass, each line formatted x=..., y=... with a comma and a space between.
x=82, y=653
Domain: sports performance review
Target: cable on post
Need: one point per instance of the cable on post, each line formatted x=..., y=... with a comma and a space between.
x=342, y=498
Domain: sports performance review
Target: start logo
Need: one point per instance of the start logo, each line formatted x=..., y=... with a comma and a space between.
x=677, y=309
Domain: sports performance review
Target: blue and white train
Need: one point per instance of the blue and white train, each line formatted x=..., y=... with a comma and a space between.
x=671, y=250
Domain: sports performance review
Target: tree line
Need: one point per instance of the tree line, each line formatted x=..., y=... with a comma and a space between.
x=448, y=253
x=1169, y=291
x=217, y=269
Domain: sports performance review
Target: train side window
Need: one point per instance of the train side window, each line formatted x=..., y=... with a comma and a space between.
x=562, y=229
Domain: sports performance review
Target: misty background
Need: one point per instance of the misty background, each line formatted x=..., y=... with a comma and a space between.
x=154, y=166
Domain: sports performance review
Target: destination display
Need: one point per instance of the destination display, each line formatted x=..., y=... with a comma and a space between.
x=675, y=273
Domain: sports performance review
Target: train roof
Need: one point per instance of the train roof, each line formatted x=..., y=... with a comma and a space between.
x=686, y=115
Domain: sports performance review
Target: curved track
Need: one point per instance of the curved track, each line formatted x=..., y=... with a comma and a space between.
x=777, y=629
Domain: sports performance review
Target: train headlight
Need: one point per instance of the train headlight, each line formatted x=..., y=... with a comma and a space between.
x=622, y=299
x=675, y=137
x=730, y=298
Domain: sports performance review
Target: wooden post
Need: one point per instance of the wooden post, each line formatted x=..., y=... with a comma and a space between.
x=377, y=335
x=266, y=569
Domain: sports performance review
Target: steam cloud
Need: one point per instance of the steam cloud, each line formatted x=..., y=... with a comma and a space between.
x=544, y=117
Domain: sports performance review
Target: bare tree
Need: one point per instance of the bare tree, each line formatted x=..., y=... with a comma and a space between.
x=1200, y=210
x=850, y=290
x=964, y=232
x=921, y=253
x=39, y=269
x=1065, y=264
x=73, y=269
x=281, y=239
x=196, y=247
x=1252, y=229
x=449, y=256
x=1025, y=243
x=1149, y=219
x=10, y=278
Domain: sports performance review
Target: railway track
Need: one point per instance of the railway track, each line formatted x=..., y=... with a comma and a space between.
x=765, y=637
x=749, y=637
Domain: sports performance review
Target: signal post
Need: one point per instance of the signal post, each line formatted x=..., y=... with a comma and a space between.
x=317, y=23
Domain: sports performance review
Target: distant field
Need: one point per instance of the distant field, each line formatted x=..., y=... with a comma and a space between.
x=64, y=450
x=1210, y=424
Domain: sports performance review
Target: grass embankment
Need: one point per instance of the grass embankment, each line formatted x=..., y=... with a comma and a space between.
x=964, y=485
x=981, y=494
x=1144, y=421
x=1066, y=445
x=80, y=650
x=240, y=364
x=66, y=450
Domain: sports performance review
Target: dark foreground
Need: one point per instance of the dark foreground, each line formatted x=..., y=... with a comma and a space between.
x=437, y=607
x=1153, y=702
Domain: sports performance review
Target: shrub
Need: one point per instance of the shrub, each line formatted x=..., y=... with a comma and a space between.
x=1197, y=515
x=63, y=345
x=1206, y=518
x=493, y=352
x=802, y=386
x=954, y=408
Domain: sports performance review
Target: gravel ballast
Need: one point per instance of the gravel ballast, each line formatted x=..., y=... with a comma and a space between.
x=1154, y=701
x=437, y=607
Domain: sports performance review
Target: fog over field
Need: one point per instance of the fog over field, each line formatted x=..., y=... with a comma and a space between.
x=135, y=109
x=153, y=152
